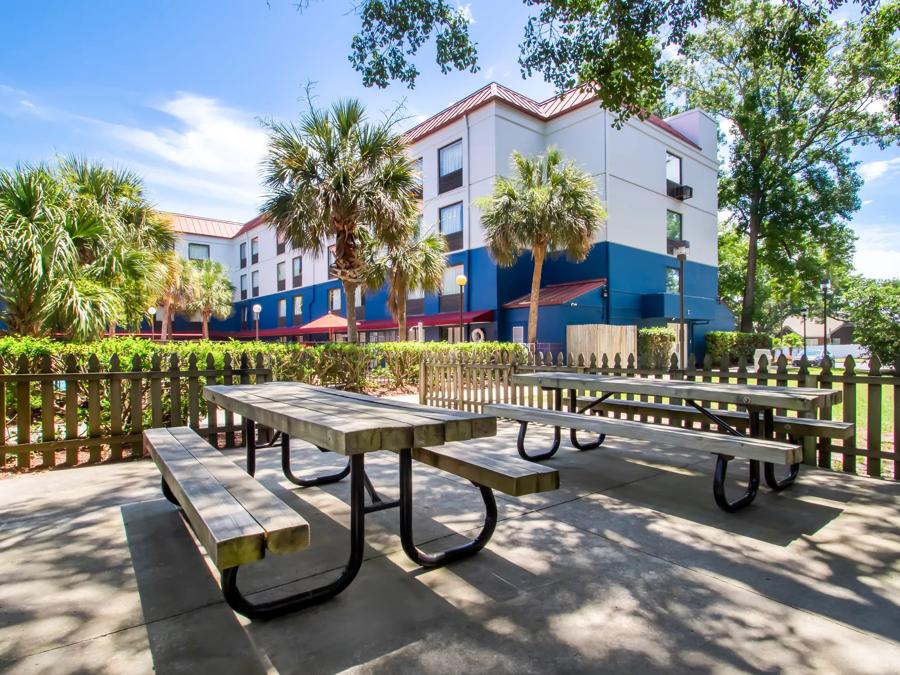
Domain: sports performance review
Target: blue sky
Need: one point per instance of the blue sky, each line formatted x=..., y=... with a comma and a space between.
x=176, y=90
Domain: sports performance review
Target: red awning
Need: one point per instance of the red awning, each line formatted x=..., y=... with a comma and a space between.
x=442, y=319
x=557, y=294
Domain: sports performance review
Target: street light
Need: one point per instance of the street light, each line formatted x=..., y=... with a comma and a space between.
x=152, y=312
x=257, y=308
x=826, y=288
x=804, y=313
x=681, y=252
x=461, y=281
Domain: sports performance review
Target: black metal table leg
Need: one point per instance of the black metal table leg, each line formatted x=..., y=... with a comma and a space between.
x=769, y=467
x=250, y=440
x=272, y=608
x=573, y=433
x=406, y=525
x=523, y=427
x=307, y=482
x=719, y=485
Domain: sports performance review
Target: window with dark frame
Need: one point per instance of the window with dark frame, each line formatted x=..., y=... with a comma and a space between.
x=281, y=276
x=254, y=283
x=198, y=251
x=282, y=312
x=674, y=226
x=450, y=167
x=334, y=299
x=279, y=243
x=254, y=250
x=418, y=167
x=673, y=169
x=297, y=271
x=673, y=278
x=245, y=312
x=298, y=309
x=450, y=221
x=243, y=287
x=243, y=254
x=331, y=261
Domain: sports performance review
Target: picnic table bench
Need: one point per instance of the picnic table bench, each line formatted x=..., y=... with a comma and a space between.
x=237, y=519
x=759, y=403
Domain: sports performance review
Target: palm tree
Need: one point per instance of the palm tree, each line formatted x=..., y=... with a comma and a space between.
x=416, y=262
x=329, y=176
x=548, y=205
x=213, y=293
x=177, y=292
x=77, y=242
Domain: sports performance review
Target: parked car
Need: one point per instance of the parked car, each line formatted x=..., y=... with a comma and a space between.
x=837, y=354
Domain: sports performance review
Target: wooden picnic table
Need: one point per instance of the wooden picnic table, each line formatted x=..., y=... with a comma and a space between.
x=760, y=402
x=354, y=425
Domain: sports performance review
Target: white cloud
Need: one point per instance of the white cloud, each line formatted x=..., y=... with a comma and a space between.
x=877, y=251
x=488, y=73
x=874, y=170
x=466, y=11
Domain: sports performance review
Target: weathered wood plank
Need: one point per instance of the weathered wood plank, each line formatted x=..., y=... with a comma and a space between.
x=749, y=448
x=791, y=398
x=509, y=475
x=229, y=534
x=286, y=530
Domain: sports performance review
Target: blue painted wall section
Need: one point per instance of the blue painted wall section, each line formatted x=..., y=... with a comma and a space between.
x=636, y=295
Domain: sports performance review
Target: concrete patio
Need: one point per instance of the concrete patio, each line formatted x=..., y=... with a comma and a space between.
x=630, y=567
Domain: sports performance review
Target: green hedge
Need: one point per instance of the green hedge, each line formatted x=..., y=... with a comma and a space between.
x=733, y=345
x=655, y=347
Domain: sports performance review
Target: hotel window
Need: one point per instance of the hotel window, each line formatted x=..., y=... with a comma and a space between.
x=673, y=277
x=673, y=226
x=334, y=300
x=279, y=243
x=243, y=287
x=254, y=250
x=331, y=261
x=297, y=271
x=280, y=276
x=415, y=301
x=360, y=297
x=243, y=254
x=298, y=309
x=418, y=167
x=415, y=294
x=450, y=287
x=673, y=168
x=245, y=312
x=282, y=312
x=451, y=224
x=450, y=167
x=254, y=283
x=198, y=251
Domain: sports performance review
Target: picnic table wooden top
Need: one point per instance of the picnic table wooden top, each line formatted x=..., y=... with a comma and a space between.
x=749, y=395
x=346, y=422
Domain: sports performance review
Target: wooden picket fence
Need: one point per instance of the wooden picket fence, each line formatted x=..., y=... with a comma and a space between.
x=56, y=413
x=870, y=395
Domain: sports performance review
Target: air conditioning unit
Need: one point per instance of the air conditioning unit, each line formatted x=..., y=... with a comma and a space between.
x=681, y=192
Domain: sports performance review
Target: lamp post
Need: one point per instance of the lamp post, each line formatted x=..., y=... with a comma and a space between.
x=257, y=308
x=804, y=313
x=681, y=252
x=461, y=281
x=152, y=312
x=826, y=287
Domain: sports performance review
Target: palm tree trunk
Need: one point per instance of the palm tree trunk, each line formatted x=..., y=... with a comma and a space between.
x=350, y=297
x=537, y=254
x=204, y=317
x=112, y=329
x=401, y=319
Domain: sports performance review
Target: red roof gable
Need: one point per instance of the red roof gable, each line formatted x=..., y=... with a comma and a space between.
x=546, y=110
x=250, y=224
x=558, y=294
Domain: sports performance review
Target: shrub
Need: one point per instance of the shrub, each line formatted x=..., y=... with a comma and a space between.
x=655, y=347
x=732, y=345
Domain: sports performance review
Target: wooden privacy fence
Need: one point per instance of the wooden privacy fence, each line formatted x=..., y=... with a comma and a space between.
x=56, y=412
x=870, y=395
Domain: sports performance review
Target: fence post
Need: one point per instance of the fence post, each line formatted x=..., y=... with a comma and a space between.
x=848, y=463
x=71, y=367
x=174, y=392
x=115, y=406
x=136, y=394
x=94, y=408
x=873, y=422
x=212, y=412
x=825, y=414
x=48, y=413
x=23, y=413
x=807, y=379
x=458, y=382
x=423, y=396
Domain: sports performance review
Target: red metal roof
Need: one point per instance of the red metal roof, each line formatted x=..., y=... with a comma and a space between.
x=250, y=224
x=208, y=227
x=558, y=294
x=442, y=319
x=546, y=110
